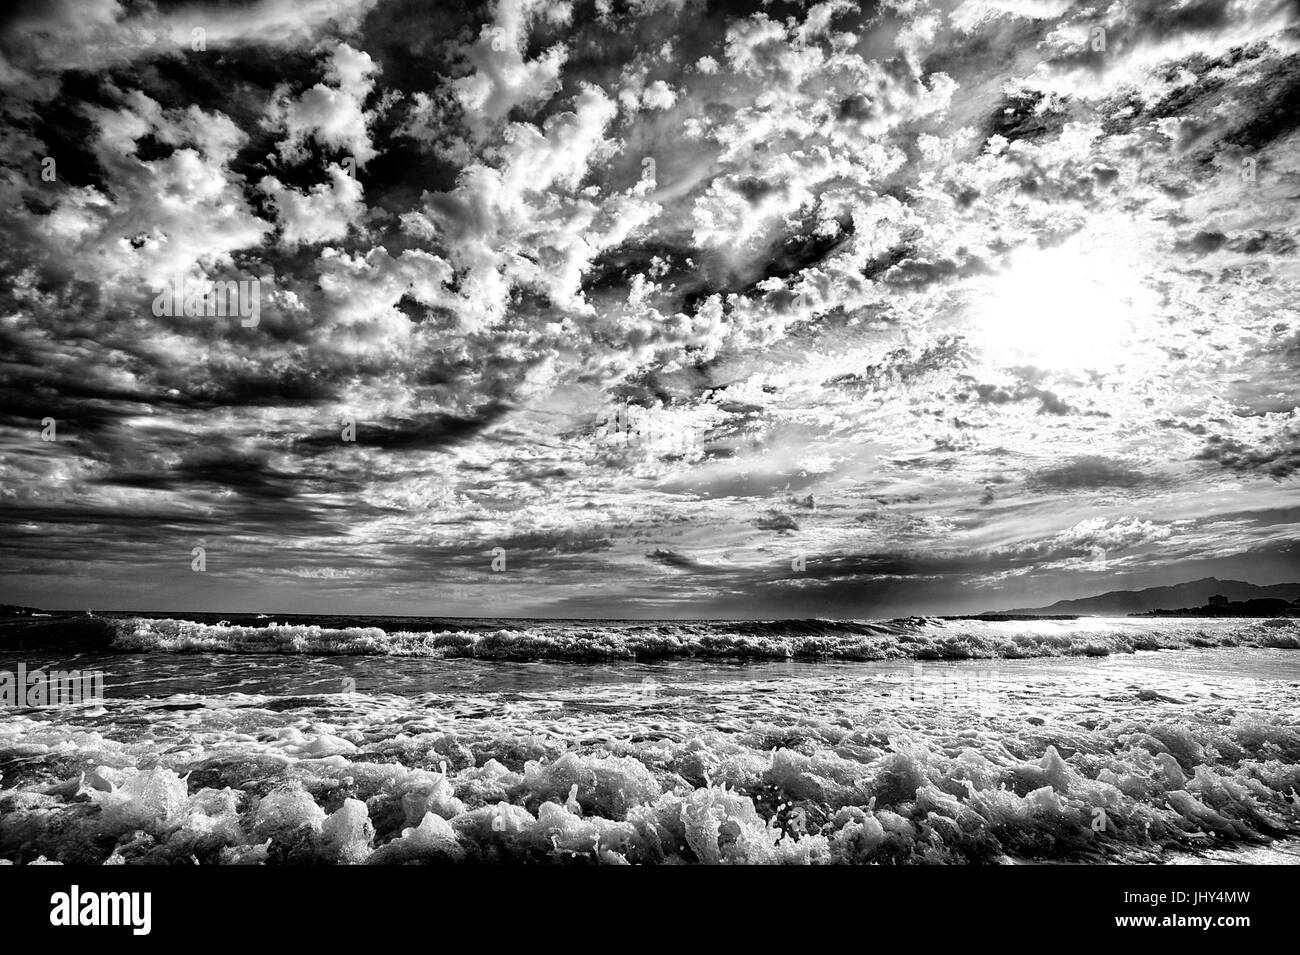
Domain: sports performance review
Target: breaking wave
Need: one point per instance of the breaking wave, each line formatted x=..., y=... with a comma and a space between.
x=913, y=638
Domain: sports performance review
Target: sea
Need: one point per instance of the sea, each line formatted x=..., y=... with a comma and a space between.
x=280, y=739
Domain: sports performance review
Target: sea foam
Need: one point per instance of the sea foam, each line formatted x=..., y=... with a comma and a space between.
x=1085, y=762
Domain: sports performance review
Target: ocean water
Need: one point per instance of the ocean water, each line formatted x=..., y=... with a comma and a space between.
x=798, y=742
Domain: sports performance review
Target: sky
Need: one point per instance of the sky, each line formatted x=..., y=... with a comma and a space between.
x=660, y=308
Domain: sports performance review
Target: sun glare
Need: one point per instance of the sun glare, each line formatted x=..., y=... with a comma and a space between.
x=1061, y=308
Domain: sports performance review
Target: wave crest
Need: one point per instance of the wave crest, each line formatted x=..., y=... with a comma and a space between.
x=912, y=638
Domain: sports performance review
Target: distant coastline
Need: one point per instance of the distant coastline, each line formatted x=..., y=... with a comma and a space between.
x=1265, y=607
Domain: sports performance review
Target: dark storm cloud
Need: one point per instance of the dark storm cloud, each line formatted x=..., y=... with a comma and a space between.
x=776, y=521
x=1278, y=461
x=249, y=475
x=426, y=433
x=1049, y=402
x=1089, y=472
x=906, y=364
x=670, y=558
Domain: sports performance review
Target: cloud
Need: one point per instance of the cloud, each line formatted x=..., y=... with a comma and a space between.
x=1279, y=459
x=153, y=218
x=1100, y=534
x=332, y=112
x=1089, y=472
x=324, y=213
x=501, y=78
x=776, y=521
x=690, y=285
x=43, y=38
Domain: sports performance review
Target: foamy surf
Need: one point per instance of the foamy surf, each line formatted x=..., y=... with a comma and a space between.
x=1158, y=757
x=915, y=638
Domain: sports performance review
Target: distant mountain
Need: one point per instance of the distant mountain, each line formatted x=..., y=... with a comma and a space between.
x=1196, y=593
x=14, y=610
